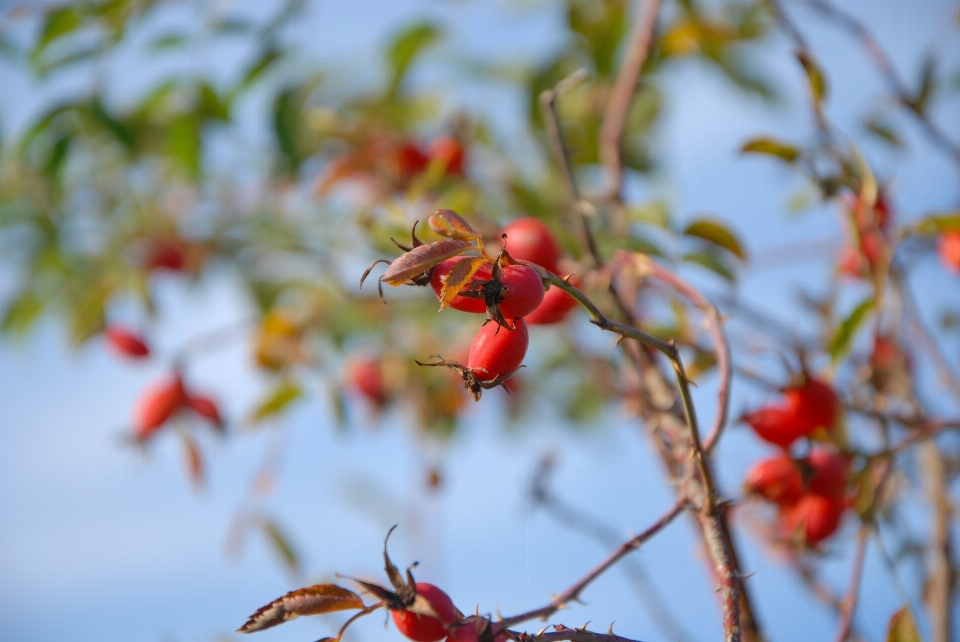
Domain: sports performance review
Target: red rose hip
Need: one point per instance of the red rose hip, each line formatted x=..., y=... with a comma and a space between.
x=776, y=479
x=524, y=291
x=424, y=628
x=497, y=351
x=529, y=239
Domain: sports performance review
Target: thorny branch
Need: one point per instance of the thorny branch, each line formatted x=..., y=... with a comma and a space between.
x=700, y=489
x=848, y=605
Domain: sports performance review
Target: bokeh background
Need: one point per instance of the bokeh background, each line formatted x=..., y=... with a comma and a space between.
x=102, y=541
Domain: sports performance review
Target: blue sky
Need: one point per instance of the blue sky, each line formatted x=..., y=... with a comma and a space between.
x=98, y=542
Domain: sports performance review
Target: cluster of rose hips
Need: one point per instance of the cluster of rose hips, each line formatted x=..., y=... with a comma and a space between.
x=811, y=493
x=395, y=162
x=508, y=289
x=871, y=229
x=421, y=612
x=862, y=256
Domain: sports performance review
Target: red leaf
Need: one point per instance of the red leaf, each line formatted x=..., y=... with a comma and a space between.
x=422, y=258
x=316, y=600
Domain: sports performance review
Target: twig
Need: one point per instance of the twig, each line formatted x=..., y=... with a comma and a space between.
x=580, y=635
x=548, y=105
x=881, y=60
x=701, y=493
x=849, y=603
x=720, y=343
x=574, y=591
x=709, y=513
x=947, y=377
x=650, y=599
x=618, y=104
x=940, y=565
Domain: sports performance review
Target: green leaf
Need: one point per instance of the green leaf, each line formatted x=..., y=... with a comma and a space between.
x=406, y=47
x=22, y=313
x=233, y=27
x=281, y=545
x=286, y=127
x=846, y=334
x=883, y=131
x=654, y=213
x=902, y=627
x=211, y=105
x=59, y=23
x=936, y=224
x=712, y=262
x=120, y=130
x=169, y=41
x=281, y=396
x=927, y=85
x=183, y=143
x=771, y=147
x=818, y=84
x=257, y=69
x=717, y=233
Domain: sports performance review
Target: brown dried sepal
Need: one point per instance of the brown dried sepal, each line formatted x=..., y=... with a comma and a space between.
x=470, y=381
x=404, y=595
x=415, y=266
x=315, y=600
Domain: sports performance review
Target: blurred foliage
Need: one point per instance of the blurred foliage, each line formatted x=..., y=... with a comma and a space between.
x=99, y=201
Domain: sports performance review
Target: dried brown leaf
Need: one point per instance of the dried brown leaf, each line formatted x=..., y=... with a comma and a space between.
x=450, y=224
x=420, y=259
x=316, y=600
x=458, y=277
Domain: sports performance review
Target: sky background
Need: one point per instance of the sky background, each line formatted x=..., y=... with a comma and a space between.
x=99, y=542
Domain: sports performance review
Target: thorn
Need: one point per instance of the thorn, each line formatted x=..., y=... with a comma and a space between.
x=747, y=576
x=610, y=629
x=584, y=627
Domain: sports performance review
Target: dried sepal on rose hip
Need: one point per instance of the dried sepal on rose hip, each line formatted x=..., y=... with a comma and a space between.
x=414, y=267
x=421, y=611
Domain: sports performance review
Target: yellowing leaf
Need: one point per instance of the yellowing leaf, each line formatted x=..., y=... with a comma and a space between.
x=279, y=398
x=936, y=224
x=459, y=276
x=450, y=224
x=718, y=234
x=818, y=84
x=316, y=600
x=422, y=258
x=902, y=627
x=764, y=145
